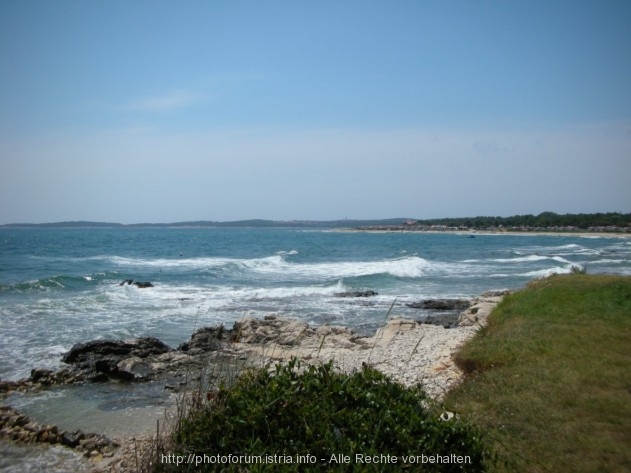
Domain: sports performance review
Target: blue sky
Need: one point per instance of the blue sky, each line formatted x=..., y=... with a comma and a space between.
x=151, y=111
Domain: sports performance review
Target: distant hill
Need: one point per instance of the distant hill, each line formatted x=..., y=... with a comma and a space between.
x=254, y=223
x=545, y=220
x=80, y=224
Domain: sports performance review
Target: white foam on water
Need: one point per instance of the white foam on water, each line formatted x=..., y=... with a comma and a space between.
x=568, y=246
x=558, y=249
x=587, y=251
x=269, y=264
x=276, y=293
x=164, y=297
x=521, y=259
x=544, y=273
x=560, y=259
x=608, y=261
x=405, y=267
x=410, y=266
x=191, y=263
x=290, y=252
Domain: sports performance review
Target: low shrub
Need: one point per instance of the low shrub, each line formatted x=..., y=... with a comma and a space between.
x=317, y=412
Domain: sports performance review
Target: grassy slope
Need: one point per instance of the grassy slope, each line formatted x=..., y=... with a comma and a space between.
x=551, y=376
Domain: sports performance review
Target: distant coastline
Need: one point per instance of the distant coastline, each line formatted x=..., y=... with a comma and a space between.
x=254, y=223
x=545, y=223
x=622, y=233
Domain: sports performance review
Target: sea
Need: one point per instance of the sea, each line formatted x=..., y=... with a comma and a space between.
x=62, y=286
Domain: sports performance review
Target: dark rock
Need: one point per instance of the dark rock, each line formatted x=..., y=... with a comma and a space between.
x=148, y=346
x=450, y=311
x=449, y=320
x=97, y=377
x=143, y=284
x=105, y=365
x=96, y=348
x=440, y=304
x=71, y=439
x=8, y=386
x=123, y=376
x=99, y=349
x=133, y=369
x=356, y=294
x=98, y=360
x=40, y=374
x=140, y=284
x=206, y=339
x=496, y=293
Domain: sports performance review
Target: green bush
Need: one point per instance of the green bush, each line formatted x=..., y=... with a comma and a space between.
x=578, y=269
x=320, y=412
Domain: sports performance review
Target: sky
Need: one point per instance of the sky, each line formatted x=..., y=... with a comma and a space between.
x=170, y=111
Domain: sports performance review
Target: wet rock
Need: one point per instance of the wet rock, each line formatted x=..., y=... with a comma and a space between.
x=133, y=369
x=140, y=284
x=95, y=350
x=71, y=439
x=495, y=293
x=440, y=304
x=206, y=339
x=40, y=374
x=40, y=378
x=143, y=284
x=99, y=360
x=171, y=361
x=356, y=294
x=20, y=428
x=8, y=386
x=444, y=320
x=94, y=377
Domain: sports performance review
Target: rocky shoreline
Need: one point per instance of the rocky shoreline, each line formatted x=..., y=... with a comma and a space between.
x=20, y=428
x=410, y=351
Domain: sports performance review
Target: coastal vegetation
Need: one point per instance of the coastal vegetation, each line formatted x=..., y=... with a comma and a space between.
x=545, y=220
x=316, y=418
x=548, y=377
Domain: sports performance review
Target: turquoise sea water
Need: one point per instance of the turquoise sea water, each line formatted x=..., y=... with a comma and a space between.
x=62, y=286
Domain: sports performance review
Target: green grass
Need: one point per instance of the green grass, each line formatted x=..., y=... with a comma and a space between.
x=549, y=377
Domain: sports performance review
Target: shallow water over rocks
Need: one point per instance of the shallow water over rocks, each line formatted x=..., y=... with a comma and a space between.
x=40, y=458
x=112, y=409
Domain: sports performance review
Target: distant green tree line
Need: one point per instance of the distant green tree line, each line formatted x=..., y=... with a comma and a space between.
x=545, y=219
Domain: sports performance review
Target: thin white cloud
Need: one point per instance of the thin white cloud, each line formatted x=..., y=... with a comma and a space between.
x=170, y=101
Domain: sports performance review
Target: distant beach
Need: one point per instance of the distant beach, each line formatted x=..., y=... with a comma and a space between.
x=556, y=233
